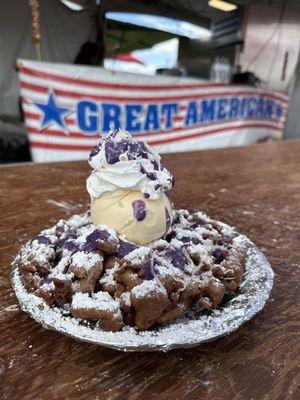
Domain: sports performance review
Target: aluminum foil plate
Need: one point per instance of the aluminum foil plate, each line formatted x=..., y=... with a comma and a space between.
x=196, y=327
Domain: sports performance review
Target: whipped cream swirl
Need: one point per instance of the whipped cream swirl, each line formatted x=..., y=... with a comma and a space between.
x=121, y=162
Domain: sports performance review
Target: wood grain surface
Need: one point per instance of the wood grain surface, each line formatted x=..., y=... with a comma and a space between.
x=257, y=189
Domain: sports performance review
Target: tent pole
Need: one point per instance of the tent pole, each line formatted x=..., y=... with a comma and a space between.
x=36, y=32
x=101, y=29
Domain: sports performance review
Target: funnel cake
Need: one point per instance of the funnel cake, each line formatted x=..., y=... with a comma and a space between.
x=132, y=262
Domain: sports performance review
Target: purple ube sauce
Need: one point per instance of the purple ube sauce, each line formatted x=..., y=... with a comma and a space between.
x=42, y=239
x=155, y=165
x=139, y=210
x=199, y=222
x=176, y=257
x=46, y=281
x=152, y=176
x=132, y=149
x=125, y=248
x=149, y=270
x=95, y=151
x=71, y=246
x=68, y=242
x=91, y=240
x=218, y=255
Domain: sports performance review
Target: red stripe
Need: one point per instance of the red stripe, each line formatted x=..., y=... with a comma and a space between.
x=221, y=130
x=67, y=93
x=92, y=83
x=57, y=146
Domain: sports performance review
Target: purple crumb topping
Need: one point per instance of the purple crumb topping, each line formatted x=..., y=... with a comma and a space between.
x=139, y=210
x=151, y=175
x=155, y=165
x=70, y=246
x=42, y=239
x=218, y=255
x=142, y=169
x=46, y=281
x=176, y=257
x=133, y=150
x=95, y=151
x=91, y=240
x=149, y=270
x=97, y=234
x=113, y=152
x=220, y=242
x=59, y=230
x=185, y=239
x=199, y=222
x=125, y=248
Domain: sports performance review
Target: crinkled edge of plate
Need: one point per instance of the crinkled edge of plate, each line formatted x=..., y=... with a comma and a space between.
x=186, y=332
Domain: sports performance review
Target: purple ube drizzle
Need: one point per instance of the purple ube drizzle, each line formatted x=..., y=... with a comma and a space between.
x=97, y=234
x=218, y=255
x=139, y=210
x=155, y=165
x=59, y=231
x=91, y=240
x=149, y=270
x=125, y=248
x=133, y=150
x=46, y=281
x=200, y=222
x=176, y=257
x=95, y=151
x=68, y=242
x=42, y=239
x=151, y=175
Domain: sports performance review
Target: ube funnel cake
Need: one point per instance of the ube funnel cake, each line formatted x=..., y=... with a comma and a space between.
x=134, y=273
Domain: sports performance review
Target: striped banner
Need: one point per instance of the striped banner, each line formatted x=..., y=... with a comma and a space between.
x=66, y=107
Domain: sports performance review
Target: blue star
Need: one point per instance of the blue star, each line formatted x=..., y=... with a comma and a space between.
x=52, y=113
x=278, y=112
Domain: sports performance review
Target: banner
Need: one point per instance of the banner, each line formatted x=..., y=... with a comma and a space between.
x=67, y=107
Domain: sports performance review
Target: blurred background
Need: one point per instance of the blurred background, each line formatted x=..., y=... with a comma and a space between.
x=254, y=43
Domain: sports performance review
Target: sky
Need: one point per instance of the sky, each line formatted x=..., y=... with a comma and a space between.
x=165, y=24
x=161, y=55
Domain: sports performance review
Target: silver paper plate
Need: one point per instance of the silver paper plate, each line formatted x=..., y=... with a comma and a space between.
x=195, y=328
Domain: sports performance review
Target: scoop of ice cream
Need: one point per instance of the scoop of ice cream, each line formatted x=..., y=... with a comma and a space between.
x=121, y=162
x=128, y=188
x=140, y=220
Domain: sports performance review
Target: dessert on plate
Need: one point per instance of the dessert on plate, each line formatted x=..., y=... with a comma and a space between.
x=132, y=260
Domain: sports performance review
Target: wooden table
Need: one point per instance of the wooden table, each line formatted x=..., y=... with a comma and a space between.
x=257, y=189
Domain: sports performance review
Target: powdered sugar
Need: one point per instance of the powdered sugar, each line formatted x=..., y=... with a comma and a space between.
x=100, y=301
x=146, y=288
x=188, y=331
x=85, y=260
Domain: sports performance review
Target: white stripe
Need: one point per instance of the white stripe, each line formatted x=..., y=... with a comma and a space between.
x=132, y=92
x=44, y=138
x=98, y=74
